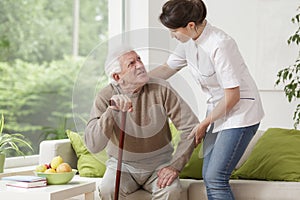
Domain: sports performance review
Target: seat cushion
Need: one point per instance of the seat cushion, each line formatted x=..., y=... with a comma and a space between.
x=252, y=189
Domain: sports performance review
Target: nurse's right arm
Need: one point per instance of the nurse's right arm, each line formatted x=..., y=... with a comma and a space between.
x=162, y=71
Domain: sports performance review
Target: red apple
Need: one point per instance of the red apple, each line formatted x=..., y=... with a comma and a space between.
x=63, y=167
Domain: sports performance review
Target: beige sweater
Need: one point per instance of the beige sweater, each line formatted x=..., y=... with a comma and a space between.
x=148, y=138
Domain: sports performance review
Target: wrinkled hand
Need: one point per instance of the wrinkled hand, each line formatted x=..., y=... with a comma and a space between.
x=166, y=176
x=198, y=132
x=122, y=103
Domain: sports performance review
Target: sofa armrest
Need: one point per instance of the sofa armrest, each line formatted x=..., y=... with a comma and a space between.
x=51, y=148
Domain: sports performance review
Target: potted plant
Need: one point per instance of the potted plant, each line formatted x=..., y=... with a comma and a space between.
x=290, y=76
x=10, y=142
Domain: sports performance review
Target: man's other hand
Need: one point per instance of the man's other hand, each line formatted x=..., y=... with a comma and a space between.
x=166, y=176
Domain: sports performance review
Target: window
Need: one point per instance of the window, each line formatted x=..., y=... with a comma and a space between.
x=43, y=45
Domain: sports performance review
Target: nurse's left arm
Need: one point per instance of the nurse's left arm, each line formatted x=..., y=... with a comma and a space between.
x=230, y=99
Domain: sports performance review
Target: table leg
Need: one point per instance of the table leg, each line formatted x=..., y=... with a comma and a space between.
x=89, y=196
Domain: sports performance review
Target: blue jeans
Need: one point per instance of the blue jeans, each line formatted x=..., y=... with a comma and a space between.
x=222, y=151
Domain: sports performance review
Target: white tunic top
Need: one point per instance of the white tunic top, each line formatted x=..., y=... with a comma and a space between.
x=216, y=64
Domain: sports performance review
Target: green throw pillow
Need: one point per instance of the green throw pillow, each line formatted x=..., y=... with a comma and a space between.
x=193, y=169
x=88, y=165
x=276, y=157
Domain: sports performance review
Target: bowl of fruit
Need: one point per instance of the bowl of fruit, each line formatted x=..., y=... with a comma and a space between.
x=57, y=172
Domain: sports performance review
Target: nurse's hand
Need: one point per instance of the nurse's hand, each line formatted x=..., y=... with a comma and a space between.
x=199, y=132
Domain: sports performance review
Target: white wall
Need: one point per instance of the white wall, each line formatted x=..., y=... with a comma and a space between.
x=261, y=29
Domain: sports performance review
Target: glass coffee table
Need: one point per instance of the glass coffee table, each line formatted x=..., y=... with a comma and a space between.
x=49, y=192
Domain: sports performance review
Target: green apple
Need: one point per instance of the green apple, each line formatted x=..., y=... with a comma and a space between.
x=40, y=168
x=56, y=161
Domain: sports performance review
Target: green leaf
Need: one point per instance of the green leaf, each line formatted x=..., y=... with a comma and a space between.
x=285, y=74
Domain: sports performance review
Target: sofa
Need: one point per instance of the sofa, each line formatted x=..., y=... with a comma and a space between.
x=258, y=183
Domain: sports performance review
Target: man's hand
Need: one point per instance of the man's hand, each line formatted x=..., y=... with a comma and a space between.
x=166, y=176
x=121, y=102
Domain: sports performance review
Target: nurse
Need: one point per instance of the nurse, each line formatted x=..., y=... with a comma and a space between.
x=234, y=108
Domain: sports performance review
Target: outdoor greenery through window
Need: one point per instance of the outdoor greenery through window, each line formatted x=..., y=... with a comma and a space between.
x=38, y=67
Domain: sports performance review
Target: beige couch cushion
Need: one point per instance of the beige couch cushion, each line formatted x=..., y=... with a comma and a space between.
x=252, y=189
x=249, y=148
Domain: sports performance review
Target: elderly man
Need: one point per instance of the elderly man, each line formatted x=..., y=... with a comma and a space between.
x=148, y=158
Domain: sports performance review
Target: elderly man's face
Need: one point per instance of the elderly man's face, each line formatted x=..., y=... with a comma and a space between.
x=133, y=70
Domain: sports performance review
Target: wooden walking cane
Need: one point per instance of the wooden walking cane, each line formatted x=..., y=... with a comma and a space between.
x=120, y=153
